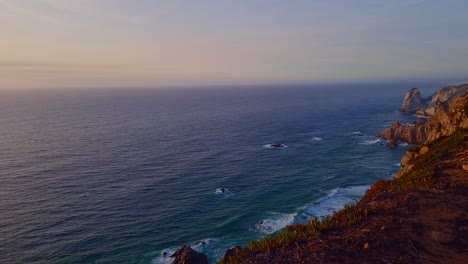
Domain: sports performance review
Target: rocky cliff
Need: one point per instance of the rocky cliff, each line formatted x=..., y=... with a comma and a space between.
x=413, y=101
x=444, y=94
x=449, y=114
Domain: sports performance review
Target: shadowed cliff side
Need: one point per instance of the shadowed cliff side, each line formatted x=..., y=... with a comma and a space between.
x=418, y=217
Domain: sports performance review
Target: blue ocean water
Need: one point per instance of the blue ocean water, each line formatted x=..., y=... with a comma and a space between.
x=125, y=176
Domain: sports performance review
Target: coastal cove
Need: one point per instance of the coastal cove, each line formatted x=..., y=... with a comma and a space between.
x=124, y=177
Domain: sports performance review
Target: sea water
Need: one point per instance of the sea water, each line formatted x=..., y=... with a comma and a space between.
x=130, y=175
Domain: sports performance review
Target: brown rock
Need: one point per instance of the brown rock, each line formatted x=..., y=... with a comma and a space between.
x=231, y=252
x=465, y=167
x=186, y=255
x=424, y=150
x=405, y=160
x=449, y=116
x=392, y=143
x=413, y=101
x=366, y=245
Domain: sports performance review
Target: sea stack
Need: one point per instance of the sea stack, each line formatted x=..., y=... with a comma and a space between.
x=413, y=101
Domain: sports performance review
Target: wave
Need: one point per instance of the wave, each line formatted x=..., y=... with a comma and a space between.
x=398, y=164
x=317, y=138
x=223, y=191
x=357, y=133
x=370, y=142
x=334, y=201
x=274, y=222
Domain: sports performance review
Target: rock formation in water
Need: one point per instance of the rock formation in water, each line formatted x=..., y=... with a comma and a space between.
x=444, y=94
x=449, y=114
x=186, y=255
x=413, y=101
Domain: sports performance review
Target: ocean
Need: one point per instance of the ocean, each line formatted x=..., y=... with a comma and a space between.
x=129, y=175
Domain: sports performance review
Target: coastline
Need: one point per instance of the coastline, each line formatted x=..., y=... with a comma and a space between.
x=420, y=212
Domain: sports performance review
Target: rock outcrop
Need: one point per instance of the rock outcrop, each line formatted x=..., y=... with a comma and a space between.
x=413, y=101
x=186, y=255
x=448, y=116
x=443, y=95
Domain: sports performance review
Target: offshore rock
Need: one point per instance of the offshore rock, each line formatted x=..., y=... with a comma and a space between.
x=186, y=255
x=413, y=101
x=448, y=117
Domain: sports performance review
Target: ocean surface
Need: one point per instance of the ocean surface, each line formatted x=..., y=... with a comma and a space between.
x=128, y=176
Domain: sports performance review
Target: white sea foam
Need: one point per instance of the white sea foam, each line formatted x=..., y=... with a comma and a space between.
x=268, y=146
x=357, y=133
x=398, y=164
x=223, y=191
x=334, y=201
x=200, y=246
x=421, y=116
x=165, y=256
x=370, y=142
x=274, y=222
x=317, y=138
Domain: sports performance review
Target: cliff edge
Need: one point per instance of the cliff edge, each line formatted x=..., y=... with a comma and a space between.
x=418, y=217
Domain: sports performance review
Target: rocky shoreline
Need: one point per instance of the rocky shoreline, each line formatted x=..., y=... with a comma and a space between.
x=446, y=114
x=418, y=217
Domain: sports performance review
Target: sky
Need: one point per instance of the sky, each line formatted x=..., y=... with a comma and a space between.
x=130, y=43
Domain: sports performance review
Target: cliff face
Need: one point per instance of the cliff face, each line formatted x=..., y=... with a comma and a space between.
x=413, y=101
x=444, y=94
x=448, y=117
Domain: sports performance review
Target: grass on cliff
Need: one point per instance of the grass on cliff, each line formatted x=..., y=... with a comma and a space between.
x=423, y=172
x=350, y=215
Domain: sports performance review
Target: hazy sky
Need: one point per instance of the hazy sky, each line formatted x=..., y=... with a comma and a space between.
x=86, y=43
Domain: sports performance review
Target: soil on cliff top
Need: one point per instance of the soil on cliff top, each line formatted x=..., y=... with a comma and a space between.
x=420, y=225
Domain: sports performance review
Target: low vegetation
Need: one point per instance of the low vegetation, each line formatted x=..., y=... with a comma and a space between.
x=422, y=175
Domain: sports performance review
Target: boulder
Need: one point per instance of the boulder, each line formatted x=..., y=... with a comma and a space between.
x=186, y=255
x=231, y=252
x=424, y=150
x=413, y=101
x=465, y=167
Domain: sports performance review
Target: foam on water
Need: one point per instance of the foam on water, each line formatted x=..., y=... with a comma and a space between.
x=223, y=192
x=317, y=138
x=334, y=201
x=274, y=222
x=370, y=142
x=357, y=133
x=398, y=164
